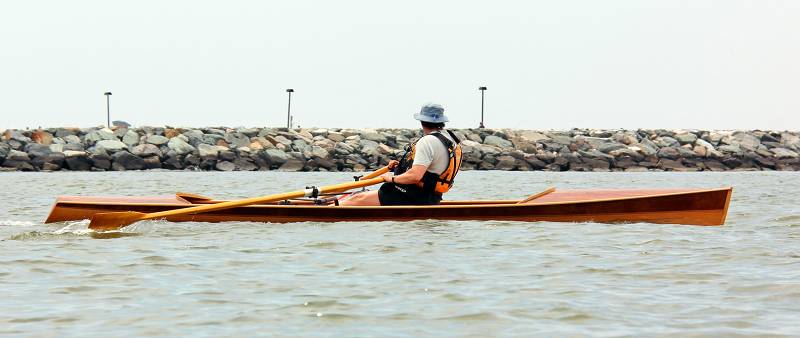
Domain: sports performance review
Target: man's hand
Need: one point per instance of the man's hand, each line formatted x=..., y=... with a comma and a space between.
x=393, y=164
x=387, y=177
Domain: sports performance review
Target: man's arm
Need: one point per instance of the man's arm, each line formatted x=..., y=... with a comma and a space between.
x=422, y=160
x=411, y=176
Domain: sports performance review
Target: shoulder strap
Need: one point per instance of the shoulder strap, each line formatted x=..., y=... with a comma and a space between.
x=453, y=135
x=447, y=143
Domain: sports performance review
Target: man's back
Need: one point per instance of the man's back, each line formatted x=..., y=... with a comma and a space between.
x=431, y=152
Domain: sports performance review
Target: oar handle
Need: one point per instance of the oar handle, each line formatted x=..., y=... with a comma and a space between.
x=375, y=173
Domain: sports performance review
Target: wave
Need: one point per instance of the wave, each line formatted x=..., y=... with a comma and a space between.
x=77, y=229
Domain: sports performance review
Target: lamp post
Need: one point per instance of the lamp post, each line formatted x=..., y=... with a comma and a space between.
x=108, y=108
x=289, y=110
x=482, y=89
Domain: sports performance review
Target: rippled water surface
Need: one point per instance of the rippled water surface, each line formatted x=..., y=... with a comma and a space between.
x=423, y=278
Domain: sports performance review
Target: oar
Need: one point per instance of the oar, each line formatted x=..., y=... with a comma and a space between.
x=376, y=173
x=200, y=199
x=537, y=195
x=116, y=220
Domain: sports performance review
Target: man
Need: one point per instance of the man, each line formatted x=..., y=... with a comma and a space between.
x=425, y=172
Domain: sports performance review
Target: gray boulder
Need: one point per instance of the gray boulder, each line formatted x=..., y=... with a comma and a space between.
x=120, y=132
x=299, y=145
x=505, y=162
x=666, y=141
x=207, y=151
x=123, y=160
x=73, y=147
x=110, y=146
x=146, y=150
x=15, y=155
x=77, y=160
x=63, y=132
x=18, y=165
x=4, y=150
x=226, y=155
x=292, y=165
x=244, y=164
x=319, y=152
x=373, y=135
x=194, y=136
x=648, y=148
x=319, y=132
x=535, y=162
x=51, y=159
x=668, y=153
x=173, y=161
x=594, y=154
x=743, y=140
x=608, y=147
x=99, y=135
x=212, y=138
x=596, y=164
x=275, y=156
x=784, y=153
x=101, y=161
x=368, y=147
x=496, y=141
x=18, y=136
x=335, y=136
x=130, y=138
x=625, y=153
x=225, y=166
x=671, y=165
x=686, y=138
x=790, y=140
x=72, y=139
x=179, y=145
x=687, y=153
x=532, y=136
x=709, y=148
x=237, y=139
x=342, y=148
x=731, y=149
x=249, y=132
x=156, y=139
x=37, y=150
x=626, y=137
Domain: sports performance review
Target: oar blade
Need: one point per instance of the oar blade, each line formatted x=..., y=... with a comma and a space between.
x=114, y=220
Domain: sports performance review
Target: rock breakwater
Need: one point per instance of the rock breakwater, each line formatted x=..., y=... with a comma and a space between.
x=247, y=149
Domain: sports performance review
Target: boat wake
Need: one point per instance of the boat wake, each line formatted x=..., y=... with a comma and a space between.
x=77, y=229
x=12, y=223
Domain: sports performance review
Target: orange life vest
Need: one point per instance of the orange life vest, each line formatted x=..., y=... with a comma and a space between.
x=432, y=182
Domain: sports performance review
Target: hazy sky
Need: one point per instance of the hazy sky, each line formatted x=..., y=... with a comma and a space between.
x=548, y=64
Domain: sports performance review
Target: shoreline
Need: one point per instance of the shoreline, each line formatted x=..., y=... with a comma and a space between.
x=335, y=149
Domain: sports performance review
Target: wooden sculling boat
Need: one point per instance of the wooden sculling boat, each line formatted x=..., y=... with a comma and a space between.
x=669, y=206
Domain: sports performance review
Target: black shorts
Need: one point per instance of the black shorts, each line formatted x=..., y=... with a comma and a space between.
x=391, y=194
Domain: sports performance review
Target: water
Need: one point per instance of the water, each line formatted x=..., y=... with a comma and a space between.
x=424, y=278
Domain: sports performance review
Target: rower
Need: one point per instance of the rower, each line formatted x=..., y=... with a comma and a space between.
x=426, y=170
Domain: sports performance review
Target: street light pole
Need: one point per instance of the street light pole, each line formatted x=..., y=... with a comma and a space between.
x=289, y=110
x=482, y=89
x=108, y=108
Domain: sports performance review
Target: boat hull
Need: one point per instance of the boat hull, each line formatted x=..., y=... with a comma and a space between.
x=675, y=206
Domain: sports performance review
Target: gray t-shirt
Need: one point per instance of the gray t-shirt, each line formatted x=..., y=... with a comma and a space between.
x=432, y=153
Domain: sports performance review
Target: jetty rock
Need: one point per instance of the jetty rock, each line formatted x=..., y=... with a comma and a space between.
x=335, y=149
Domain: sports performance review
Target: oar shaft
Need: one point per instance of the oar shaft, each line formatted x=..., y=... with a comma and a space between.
x=265, y=199
x=376, y=173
